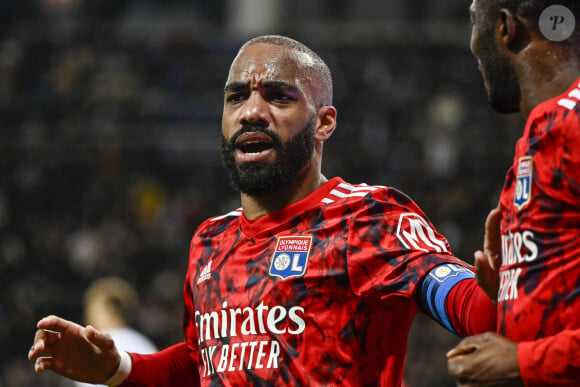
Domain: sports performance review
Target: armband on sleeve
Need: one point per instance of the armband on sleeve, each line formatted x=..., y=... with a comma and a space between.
x=436, y=287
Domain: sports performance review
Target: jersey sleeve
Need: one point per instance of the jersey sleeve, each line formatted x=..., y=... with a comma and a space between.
x=170, y=367
x=558, y=164
x=571, y=157
x=392, y=247
x=553, y=360
x=189, y=328
x=451, y=296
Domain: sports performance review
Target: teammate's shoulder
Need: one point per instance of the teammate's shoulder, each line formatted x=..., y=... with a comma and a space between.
x=570, y=99
x=563, y=109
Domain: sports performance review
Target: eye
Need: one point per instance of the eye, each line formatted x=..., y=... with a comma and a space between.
x=280, y=96
x=235, y=97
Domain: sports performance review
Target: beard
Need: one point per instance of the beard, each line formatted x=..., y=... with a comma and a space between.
x=258, y=179
x=501, y=81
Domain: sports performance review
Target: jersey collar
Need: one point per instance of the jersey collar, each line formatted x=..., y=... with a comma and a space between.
x=269, y=223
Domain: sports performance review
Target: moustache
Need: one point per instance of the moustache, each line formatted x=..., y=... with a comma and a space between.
x=276, y=140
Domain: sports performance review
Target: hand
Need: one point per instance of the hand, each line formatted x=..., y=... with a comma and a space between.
x=488, y=261
x=79, y=353
x=485, y=360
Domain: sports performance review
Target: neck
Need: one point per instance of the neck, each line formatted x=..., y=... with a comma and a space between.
x=546, y=71
x=255, y=207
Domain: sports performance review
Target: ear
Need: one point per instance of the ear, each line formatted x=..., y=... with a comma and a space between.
x=507, y=27
x=325, y=123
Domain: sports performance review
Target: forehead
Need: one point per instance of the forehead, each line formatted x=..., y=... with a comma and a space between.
x=271, y=62
x=480, y=7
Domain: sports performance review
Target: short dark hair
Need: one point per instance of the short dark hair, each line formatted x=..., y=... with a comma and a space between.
x=531, y=9
x=319, y=65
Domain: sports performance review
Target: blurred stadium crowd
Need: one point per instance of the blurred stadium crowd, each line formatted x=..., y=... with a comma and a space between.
x=110, y=120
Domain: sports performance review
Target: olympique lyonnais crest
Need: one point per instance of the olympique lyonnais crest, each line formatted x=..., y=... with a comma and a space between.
x=442, y=272
x=290, y=257
x=524, y=182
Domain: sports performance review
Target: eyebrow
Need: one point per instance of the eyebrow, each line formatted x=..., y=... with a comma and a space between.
x=234, y=86
x=239, y=86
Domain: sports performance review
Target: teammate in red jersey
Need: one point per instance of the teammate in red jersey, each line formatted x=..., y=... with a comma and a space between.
x=529, y=55
x=314, y=281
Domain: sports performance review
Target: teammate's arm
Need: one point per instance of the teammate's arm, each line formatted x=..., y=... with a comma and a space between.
x=553, y=360
x=488, y=260
x=487, y=359
x=491, y=358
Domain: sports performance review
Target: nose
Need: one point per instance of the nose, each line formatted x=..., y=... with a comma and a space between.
x=255, y=110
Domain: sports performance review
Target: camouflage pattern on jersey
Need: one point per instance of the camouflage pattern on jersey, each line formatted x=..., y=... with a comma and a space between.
x=319, y=293
x=540, y=273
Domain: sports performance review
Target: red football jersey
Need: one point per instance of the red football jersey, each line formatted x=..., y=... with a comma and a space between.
x=540, y=274
x=319, y=293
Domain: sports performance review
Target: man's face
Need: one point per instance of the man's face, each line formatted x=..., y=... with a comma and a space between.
x=268, y=119
x=499, y=76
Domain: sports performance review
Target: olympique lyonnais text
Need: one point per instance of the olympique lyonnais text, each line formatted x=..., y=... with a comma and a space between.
x=293, y=245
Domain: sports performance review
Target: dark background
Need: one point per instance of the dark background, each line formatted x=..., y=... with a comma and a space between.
x=109, y=122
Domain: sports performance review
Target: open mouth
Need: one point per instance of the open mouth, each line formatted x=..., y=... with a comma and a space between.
x=254, y=147
x=254, y=142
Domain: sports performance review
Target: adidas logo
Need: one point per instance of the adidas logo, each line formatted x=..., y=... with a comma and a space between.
x=205, y=273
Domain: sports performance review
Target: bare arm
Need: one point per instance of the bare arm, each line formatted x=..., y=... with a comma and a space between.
x=485, y=360
x=492, y=360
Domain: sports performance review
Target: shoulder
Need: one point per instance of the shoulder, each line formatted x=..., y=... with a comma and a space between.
x=386, y=208
x=376, y=206
x=350, y=192
x=218, y=224
x=364, y=199
x=569, y=100
x=232, y=215
x=561, y=114
x=358, y=194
